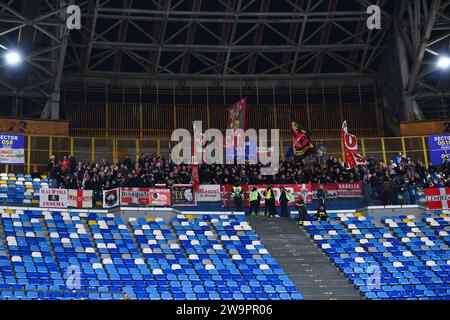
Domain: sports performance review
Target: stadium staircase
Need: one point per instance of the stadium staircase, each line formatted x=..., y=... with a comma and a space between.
x=303, y=262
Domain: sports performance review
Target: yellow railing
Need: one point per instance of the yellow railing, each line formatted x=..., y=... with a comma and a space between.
x=38, y=148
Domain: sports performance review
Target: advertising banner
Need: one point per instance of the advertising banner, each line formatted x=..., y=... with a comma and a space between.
x=79, y=198
x=439, y=148
x=53, y=198
x=12, y=149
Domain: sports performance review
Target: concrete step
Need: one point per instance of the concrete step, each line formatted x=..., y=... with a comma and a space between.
x=303, y=262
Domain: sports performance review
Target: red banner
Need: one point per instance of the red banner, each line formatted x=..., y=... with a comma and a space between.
x=294, y=191
x=350, y=190
x=159, y=197
x=438, y=198
x=331, y=190
x=350, y=143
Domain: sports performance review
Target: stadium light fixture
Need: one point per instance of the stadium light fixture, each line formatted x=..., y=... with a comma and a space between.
x=443, y=62
x=13, y=58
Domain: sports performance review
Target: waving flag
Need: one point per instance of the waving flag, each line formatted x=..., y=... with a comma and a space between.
x=350, y=143
x=301, y=139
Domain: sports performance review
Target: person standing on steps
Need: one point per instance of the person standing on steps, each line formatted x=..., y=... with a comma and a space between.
x=302, y=211
x=254, y=198
x=237, y=197
x=321, y=196
x=270, y=198
x=284, y=200
x=267, y=193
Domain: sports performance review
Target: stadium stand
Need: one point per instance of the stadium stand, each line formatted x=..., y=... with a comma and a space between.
x=394, y=258
x=201, y=258
x=20, y=188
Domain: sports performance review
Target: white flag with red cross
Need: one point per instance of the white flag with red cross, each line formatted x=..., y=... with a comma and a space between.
x=80, y=198
x=438, y=198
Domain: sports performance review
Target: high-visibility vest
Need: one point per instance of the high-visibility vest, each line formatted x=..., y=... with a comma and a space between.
x=268, y=194
x=253, y=195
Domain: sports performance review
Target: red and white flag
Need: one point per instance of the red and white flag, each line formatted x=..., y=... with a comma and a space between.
x=438, y=198
x=350, y=143
x=79, y=198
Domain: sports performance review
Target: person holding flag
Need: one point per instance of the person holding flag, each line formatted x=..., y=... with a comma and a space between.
x=350, y=144
x=302, y=144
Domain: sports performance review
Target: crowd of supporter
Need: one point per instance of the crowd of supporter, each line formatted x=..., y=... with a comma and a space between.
x=400, y=181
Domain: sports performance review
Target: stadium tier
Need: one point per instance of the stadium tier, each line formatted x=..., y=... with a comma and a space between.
x=393, y=258
x=63, y=255
x=20, y=188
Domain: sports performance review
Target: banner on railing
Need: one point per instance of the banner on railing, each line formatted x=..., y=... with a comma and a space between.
x=53, y=198
x=160, y=197
x=438, y=198
x=208, y=193
x=134, y=196
x=183, y=195
x=111, y=198
x=303, y=190
x=79, y=198
x=12, y=149
x=145, y=196
x=349, y=190
x=331, y=190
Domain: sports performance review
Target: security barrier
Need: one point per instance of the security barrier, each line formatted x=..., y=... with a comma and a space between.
x=38, y=149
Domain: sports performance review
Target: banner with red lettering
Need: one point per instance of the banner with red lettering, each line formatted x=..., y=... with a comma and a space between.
x=160, y=197
x=350, y=190
x=79, y=198
x=438, y=198
x=208, y=193
x=350, y=144
x=303, y=190
x=134, y=196
x=53, y=198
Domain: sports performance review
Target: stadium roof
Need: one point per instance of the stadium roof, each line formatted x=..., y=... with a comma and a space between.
x=136, y=42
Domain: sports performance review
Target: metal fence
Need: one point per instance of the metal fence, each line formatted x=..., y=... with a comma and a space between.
x=38, y=149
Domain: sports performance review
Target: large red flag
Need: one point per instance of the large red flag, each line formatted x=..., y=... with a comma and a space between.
x=350, y=143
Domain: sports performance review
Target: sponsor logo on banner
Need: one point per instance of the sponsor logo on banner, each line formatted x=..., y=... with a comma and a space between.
x=208, y=193
x=293, y=190
x=159, y=197
x=12, y=148
x=111, y=198
x=438, y=198
x=79, y=198
x=53, y=198
x=137, y=196
x=349, y=190
x=183, y=195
